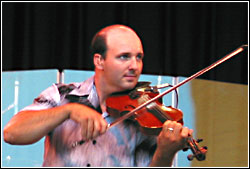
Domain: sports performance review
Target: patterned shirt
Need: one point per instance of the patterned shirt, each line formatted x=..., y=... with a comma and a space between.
x=122, y=145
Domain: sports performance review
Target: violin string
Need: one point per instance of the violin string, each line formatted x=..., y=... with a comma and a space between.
x=156, y=107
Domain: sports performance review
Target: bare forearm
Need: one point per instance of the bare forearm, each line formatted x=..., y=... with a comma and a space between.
x=27, y=127
x=161, y=159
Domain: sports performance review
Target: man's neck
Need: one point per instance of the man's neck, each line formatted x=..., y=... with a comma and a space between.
x=101, y=90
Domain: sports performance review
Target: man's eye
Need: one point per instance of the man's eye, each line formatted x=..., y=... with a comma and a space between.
x=123, y=57
x=139, y=57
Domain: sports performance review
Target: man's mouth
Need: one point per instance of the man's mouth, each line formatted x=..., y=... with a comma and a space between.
x=130, y=77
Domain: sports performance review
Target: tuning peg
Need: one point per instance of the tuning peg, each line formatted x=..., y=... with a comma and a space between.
x=199, y=140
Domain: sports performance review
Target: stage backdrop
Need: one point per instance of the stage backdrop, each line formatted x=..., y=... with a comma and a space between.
x=179, y=38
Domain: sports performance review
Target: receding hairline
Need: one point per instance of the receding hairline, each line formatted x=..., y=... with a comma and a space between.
x=107, y=29
x=101, y=36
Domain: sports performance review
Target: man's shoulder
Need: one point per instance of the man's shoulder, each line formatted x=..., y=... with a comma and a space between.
x=66, y=88
x=80, y=87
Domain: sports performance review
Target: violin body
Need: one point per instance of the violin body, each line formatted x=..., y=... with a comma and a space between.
x=150, y=118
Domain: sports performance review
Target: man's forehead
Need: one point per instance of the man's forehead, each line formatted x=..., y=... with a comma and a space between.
x=119, y=35
x=121, y=38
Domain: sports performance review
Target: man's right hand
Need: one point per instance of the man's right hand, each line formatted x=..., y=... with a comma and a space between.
x=92, y=123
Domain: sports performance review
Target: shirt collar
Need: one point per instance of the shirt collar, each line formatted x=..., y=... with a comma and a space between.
x=87, y=87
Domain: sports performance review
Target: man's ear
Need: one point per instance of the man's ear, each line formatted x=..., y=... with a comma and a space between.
x=98, y=61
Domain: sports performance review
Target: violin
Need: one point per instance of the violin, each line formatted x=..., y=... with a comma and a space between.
x=152, y=117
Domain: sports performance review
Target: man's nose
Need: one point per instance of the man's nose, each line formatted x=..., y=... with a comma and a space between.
x=135, y=63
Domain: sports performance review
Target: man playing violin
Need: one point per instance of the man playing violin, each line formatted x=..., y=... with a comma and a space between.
x=78, y=134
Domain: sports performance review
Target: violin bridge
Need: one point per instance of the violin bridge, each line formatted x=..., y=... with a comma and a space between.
x=145, y=98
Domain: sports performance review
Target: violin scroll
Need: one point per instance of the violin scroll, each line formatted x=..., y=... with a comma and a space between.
x=198, y=153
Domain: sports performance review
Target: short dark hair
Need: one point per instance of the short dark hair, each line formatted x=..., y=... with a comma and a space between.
x=98, y=45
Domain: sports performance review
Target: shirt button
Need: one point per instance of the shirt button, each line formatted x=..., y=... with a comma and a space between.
x=94, y=142
x=88, y=165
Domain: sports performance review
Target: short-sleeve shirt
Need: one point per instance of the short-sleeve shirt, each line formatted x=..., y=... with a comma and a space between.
x=122, y=145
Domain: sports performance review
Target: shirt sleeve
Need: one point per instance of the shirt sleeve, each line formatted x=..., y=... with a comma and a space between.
x=48, y=98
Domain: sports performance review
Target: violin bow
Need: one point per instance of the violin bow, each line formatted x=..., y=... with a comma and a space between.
x=226, y=57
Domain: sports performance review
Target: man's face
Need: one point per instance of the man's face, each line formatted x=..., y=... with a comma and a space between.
x=123, y=64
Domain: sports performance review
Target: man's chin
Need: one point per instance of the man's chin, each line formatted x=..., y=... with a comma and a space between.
x=129, y=85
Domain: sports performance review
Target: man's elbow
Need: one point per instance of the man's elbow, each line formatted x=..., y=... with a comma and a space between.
x=8, y=136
